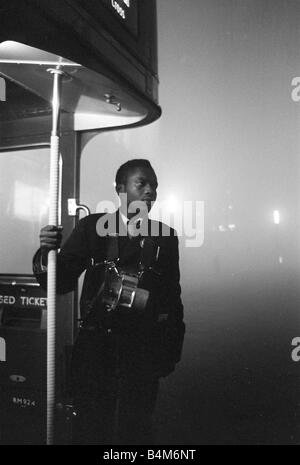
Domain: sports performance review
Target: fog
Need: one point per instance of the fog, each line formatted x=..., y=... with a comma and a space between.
x=228, y=138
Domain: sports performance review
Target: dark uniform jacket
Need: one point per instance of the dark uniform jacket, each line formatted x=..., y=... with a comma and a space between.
x=162, y=326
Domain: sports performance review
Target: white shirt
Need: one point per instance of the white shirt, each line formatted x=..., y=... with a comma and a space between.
x=131, y=225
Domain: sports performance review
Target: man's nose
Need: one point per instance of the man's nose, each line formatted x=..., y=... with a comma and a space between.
x=149, y=190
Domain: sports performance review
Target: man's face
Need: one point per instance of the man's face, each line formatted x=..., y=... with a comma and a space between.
x=141, y=185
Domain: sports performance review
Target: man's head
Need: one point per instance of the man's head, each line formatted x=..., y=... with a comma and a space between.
x=137, y=179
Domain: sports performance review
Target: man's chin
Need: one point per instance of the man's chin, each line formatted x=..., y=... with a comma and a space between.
x=149, y=205
x=142, y=209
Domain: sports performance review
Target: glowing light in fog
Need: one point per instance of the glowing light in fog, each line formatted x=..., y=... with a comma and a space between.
x=280, y=259
x=171, y=203
x=276, y=217
x=229, y=227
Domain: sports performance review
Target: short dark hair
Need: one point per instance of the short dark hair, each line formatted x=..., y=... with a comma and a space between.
x=131, y=165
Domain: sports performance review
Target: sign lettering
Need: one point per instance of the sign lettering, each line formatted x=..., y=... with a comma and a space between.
x=23, y=301
x=126, y=11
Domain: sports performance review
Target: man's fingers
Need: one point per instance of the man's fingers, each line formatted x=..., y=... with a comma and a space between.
x=50, y=245
x=50, y=237
x=50, y=233
x=51, y=227
x=49, y=240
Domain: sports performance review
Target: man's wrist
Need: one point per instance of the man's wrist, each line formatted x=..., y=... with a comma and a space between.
x=39, y=263
x=44, y=257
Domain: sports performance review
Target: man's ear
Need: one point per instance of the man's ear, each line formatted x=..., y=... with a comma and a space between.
x=120, y=188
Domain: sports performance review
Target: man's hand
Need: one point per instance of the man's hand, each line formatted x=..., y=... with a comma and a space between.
x=50, y=238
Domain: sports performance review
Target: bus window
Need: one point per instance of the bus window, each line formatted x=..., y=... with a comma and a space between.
x=24, y=202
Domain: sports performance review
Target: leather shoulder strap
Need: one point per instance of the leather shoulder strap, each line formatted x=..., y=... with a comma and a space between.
x=112, y=251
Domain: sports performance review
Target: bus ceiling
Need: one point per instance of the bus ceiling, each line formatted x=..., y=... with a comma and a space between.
x=109, y=66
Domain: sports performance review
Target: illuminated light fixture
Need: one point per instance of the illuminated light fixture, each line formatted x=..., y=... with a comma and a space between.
x=276, y=217
x=231, y=227
x=280, y=259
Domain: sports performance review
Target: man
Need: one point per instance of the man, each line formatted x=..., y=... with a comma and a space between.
x=123, y=348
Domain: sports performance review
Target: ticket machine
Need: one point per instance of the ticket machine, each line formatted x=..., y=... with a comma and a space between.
x=107, y=52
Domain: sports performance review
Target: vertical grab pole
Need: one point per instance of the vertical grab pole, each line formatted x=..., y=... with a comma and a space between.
x=52, y=255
